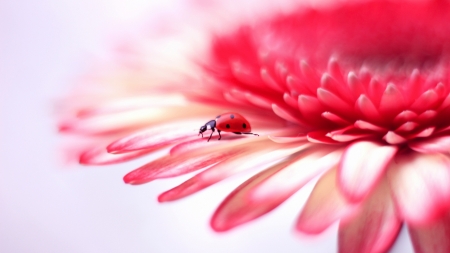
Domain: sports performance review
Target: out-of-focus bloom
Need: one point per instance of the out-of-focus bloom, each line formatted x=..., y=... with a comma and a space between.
x=358, y=93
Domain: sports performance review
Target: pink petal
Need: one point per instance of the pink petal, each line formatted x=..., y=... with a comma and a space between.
x=267, y=190
x=199, y=144
x=270, y=82
x=320, y=137
x=331, y=84
x=393, y=138
x=368, y=109
x=333, y=102
x=279, y=139
x=374, y=228
x=99, y=156
x=286, y=114
x=361, y=124
x=288, y=180
x=226, y=169
x=354, y=84
x=156, y=137
x=420, y=185
x=259, y=101
x=361, y=168
x=432, y=145
x=309, y=105
x=312, y=79
x=292, y=102
x=392, y=101
x=335, y=118
x=324, y=206
x=432, y=238
x=170, y=166
x=405, y=116
x=428, y=99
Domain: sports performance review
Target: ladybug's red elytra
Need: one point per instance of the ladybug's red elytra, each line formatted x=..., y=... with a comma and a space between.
x=227, y=122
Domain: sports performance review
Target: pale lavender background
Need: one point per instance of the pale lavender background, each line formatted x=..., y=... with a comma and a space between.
x=45, y=207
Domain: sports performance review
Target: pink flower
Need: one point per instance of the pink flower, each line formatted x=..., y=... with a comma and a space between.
x=358, y=93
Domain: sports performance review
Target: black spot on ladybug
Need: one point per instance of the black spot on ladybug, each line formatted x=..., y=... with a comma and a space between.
x=227, y=126
x=244, y=125
x=218, y=116
x=232, y=116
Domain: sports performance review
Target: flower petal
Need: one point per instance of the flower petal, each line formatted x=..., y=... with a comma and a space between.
x=432, y=145
x=99, y=156
x=374, y=228
x=432, y=238
x=156, y=137
x=420, y=182
x=267, y=190
x=223, y=170
x=362, y=165
x=170, y=166
x=324, y=206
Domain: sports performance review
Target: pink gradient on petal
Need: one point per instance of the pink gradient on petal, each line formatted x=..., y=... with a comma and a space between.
x=324, y=206
x=225, y=169
x=156, y=137
x=374, y=227
x=362, y=166
x=169, y=166
x=420, y=182
x=432, y=237
x=99, y=156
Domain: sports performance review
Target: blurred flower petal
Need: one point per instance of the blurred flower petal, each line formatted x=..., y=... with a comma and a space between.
x=374, y=227
x=432, y=237
x=325, y=206
x=420, y=182
x=362, y=166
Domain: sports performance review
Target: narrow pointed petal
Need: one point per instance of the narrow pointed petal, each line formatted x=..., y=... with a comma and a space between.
x=324, y=206
x=368, y=109
x=169, y=166
x=432, y=238
x=287, y=181
x=279, y=139
x=362, y=166
x=312, y=79
x=226, y=169
x=355, y=84
x=392, y=101
x=405, y=116
x=263, y=192
x=155, y=137
x=99, y=156
x=292, y=102
x=333, y=102
x=374, y=228
x=320, y=137
x=420, y=182
x=361, y=124
x=393, y=138
x=270, y=82
x=427, y=100
x=335, y=118
x=287, y=114
x=259, y=101
x=237, y=209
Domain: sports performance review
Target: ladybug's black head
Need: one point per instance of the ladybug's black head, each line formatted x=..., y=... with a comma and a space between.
x=202, y=129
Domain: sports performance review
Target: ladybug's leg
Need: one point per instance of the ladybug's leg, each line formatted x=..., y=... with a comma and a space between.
x=220, y=136
x=212, y=131
x=251, y=133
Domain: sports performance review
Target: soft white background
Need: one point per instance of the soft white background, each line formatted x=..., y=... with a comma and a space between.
x=47, y=207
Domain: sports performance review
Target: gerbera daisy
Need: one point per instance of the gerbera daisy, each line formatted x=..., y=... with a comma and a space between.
x=356, y=93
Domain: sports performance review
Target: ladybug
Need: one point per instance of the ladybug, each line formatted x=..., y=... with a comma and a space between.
x=227, y=122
